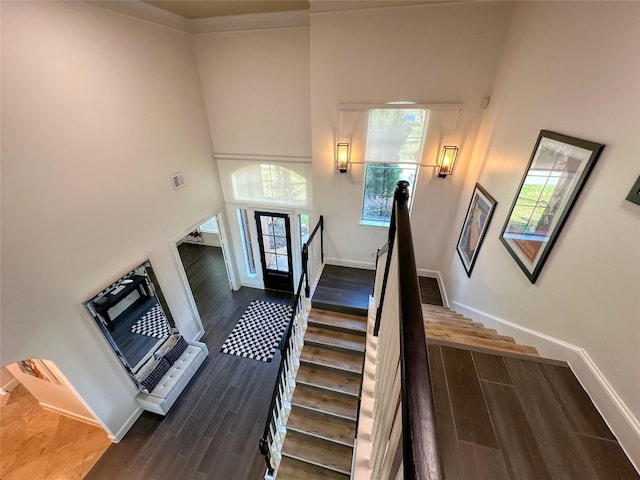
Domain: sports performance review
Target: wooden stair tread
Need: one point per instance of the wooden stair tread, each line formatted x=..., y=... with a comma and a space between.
x=329, y=380
x=459, y=326
x=325, y=401
x=293, y=469
x=337, y=320
x=475, y=332
x=348, y=362
x=330, y=455
x=439, y=310
x=321, y=425
x=483, y=342
x=452, y=321
x=334, y=339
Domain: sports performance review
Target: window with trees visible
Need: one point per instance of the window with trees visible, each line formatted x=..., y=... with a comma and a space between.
x=395, y=138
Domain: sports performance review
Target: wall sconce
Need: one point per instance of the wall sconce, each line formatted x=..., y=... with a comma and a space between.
x=342, y=157
x=447, y=161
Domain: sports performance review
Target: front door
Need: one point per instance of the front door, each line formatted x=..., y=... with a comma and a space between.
x=274, y=238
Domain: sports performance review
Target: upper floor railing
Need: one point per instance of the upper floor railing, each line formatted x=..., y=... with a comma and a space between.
x=270, y=444
x=403, y=436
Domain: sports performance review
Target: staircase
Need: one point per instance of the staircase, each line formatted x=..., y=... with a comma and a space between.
x=441, y=323
x=322, y=424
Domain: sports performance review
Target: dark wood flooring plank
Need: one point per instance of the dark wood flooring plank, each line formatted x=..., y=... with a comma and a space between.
x=517, y=443
x=564, y=457
x=430, y=291
x=227, y=389
x=608, y=459
x=492, y=368
x=576, y=404
x=469, y=409
x=344, y=289
x=482, y=463
x=445, y=426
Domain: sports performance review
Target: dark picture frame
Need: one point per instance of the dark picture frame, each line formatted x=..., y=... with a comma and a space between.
x=558, y=169
x=475, y=226
x=634, y=194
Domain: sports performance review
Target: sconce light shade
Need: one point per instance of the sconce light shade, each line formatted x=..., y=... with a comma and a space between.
x=342, y=157
x=447, y=161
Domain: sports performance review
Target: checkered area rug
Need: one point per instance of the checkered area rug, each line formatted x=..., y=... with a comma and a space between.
x=258, y=333
x=153, y=324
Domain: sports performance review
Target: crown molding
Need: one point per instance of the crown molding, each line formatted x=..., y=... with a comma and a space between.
x=147, y=12
x=251, y=21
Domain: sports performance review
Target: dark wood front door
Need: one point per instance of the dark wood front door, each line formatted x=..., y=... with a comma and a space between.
x=274, y=238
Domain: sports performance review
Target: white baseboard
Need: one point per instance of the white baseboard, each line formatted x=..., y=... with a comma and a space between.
x=350, y=263
x=10, y=385
x=75, y=416
x=436, y=274
x=198, y=336
x=613, y=409
x=127, y=425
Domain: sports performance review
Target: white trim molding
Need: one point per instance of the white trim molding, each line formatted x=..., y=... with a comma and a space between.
x=145, y=11
x=67, y=413
x=613, y=409
x=127, y=425
x=227, y=23
x=350, y=263
x=10, y=385
x=250, y=21
x=247, y=157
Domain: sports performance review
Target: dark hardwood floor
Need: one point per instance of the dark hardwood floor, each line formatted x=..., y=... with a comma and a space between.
x=133, y=346
x=347, y=290
x=430, y=291
x=212, y=432
x=344, y=289
x=517, y=418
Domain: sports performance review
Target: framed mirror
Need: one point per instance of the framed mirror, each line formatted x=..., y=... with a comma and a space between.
x=133, y=316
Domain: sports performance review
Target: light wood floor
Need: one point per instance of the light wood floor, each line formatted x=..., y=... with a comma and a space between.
x=36, y=444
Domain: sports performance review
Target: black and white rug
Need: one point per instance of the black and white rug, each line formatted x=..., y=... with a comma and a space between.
x=153, y=324
x=258, y=333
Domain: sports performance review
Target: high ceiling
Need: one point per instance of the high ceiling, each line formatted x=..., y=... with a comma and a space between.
x=219, y=8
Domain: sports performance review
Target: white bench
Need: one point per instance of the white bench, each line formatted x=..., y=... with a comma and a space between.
x=166, y=392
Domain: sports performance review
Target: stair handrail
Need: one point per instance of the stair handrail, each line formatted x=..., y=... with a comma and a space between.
x=305, y=252
x=421, y=459
x=403, y=429
x=285, y=383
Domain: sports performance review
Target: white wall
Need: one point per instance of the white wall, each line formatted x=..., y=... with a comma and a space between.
x=256, y=89
x=57, y=392
x=98, y=111
x=7, y=381
x=573, y=68
x=428, y=54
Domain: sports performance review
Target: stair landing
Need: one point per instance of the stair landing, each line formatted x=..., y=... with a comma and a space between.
x=344, y=289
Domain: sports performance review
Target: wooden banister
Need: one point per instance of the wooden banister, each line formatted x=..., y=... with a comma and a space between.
x=421, y=459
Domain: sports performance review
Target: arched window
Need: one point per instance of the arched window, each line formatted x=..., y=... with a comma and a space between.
x=266, y=183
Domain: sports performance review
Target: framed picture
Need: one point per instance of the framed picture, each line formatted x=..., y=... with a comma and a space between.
x=634, y=194
x=557, y=171
x=475, y=225
x=38, y=369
